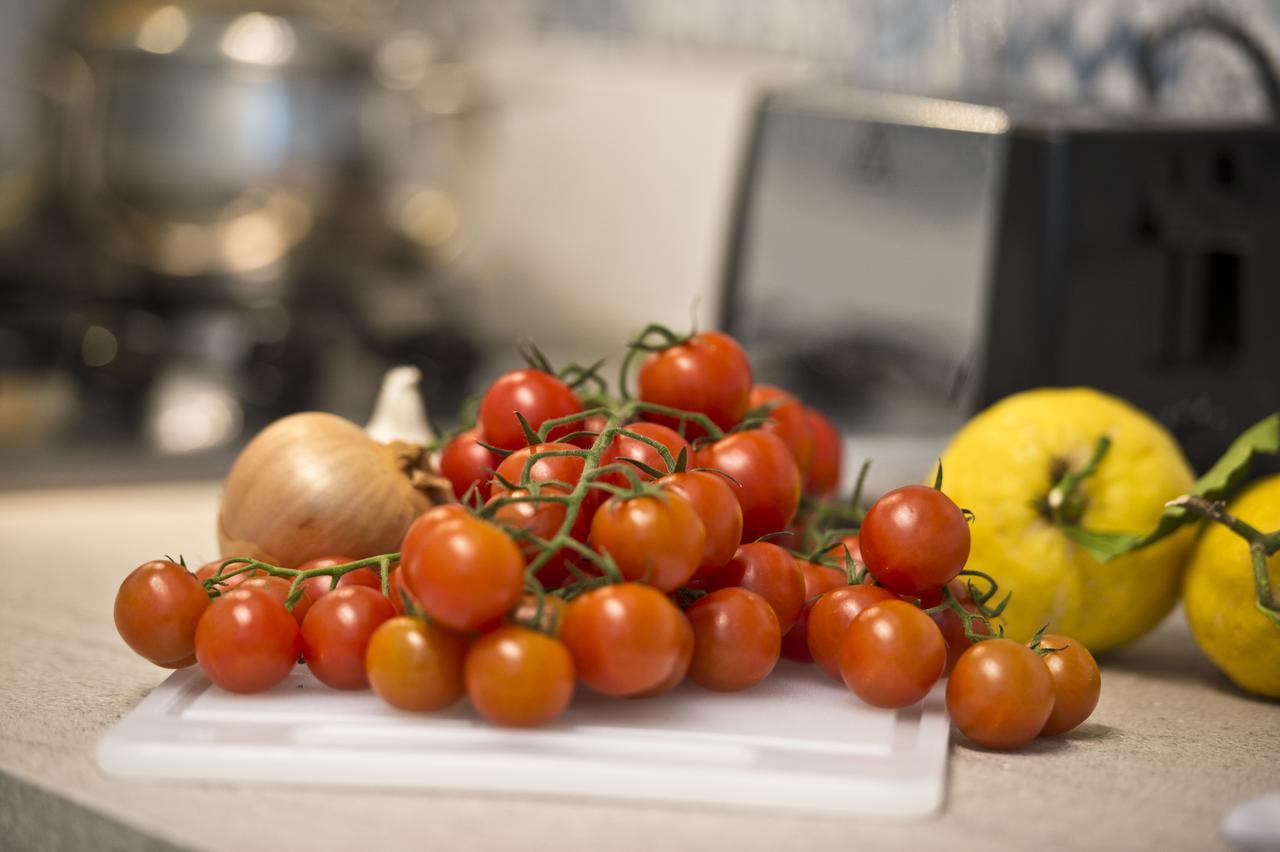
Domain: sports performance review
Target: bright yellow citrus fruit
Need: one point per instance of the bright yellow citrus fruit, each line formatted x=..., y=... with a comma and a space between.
x=1219, y=595
x=1004, y=462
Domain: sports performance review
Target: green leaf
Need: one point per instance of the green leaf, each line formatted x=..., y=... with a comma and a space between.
x=1261, y=438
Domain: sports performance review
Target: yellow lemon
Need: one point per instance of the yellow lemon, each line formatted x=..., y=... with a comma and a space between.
x=1003, y=464
x=1219, y=595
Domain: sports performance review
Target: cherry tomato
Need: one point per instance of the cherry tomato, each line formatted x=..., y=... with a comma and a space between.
x=892, y=655
x=319, y=585
x=681, y=667
x=712, y=498
x=914, y=540
x=543, y=519
x=537, y=395
x=157, y=609
x=545, y=618
x=787, y=420
x=518, y=677
x=279, y=588
x=464, y=572
x=209, y=569
x=624, y=638
x=824, y=473
x=817, y=579
x=768, y=481
x=398, y=591
x=831, y=616
x=736, y=639
x=594, y=424
x=415, y=666
x=849, y=542
x=653, y=539
x=624, y=447
x=564, y=469
x=465, y=463
x=1000, y=694
x=952, y=625
x=335, y=635
x=771, y=573
x=247, y=641
x=708, y=374
x=1076, y=683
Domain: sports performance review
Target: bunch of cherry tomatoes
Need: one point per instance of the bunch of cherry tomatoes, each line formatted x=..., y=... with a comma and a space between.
x=628, y=544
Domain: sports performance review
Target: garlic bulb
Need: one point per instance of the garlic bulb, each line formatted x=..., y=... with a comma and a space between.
x=314, y=484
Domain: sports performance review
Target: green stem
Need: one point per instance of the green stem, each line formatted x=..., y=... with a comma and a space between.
x=297, y=575
x=1063, y=502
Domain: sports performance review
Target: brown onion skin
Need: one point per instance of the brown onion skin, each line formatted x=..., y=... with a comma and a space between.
x=313, y=484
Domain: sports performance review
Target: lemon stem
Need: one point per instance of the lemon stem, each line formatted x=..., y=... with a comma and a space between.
x=1064, y=501
x=1261, y=545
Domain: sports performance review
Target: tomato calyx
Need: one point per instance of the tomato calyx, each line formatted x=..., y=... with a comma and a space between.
x=1037, y=644
x=978, y=617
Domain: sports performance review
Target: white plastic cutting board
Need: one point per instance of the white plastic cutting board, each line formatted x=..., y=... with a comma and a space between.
x=796, y=742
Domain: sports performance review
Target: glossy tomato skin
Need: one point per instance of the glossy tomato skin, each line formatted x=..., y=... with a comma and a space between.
x=465, y=573
x=830, y=617
x=279, y=588
x=157, y=609
x=624, y=638
x=681, y=667
x=1000, y=694
x=518, y=677
x=546, y=617
x=708, y=374
x=336, y=633
x=771, y=573
x=787, y=420
x=563, y=469
x=465, y=463
x=767, y=479
x=320, y=585
x=415, y=666
x=594, y=424
x=736, y=640
x=713, y=499
x=828, y=448
x=892, y=654
x=247, y=641
x=209, y=569
x=544, y=520
x=652, y=539
x=625, y=447
x=537, y=395
x=848, y=543
x=1077, y=684
x=914, y=540
x=817, y=580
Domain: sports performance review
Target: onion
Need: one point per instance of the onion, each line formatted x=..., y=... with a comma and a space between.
x=314, y=484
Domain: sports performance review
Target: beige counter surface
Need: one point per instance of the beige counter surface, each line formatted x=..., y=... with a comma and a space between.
x=1171, y=747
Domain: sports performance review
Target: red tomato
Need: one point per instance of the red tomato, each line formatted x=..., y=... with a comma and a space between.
x=157, y=609
x=1076, y=683
x=1000, y=694
x=595, y=424
x=831, y=616
x=320, y=585
x=624, y=638
x=546, y=618
x=279, y=588
x=415, y=666
x=518, y=677
x=849, y=542
x=708, y=374
x=335, y=635
x=952, y=625
x=247, y=641
x=768, y=481
x=544, y=520
x=209, y=569
x=465, y=573
x=653, y=539
x=824, y=474
x=736, y=639
x=537, y=395
x=914, y=540
x=712, y=498
x=789, y=422
x=465, y=463
x=817, y=579
x=771, y=573
x=398, y=591
x=681, y=668
x=892, y=655
x=624, y=447
x=565, y=469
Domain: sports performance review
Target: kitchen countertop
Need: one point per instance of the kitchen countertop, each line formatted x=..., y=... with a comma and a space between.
x=1170, y=748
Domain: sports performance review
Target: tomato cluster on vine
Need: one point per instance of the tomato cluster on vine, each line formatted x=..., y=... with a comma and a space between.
x=628, y=543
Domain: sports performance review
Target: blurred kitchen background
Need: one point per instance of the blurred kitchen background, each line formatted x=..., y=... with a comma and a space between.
x=213, y=212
